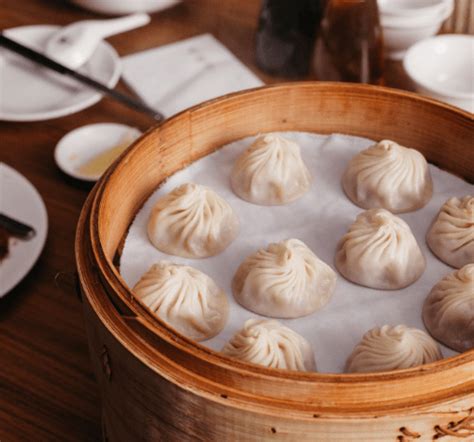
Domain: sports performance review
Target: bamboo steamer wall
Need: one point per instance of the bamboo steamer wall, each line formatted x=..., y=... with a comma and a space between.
x=158, y=385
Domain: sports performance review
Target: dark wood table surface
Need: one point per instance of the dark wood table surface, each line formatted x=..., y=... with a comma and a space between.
x=47, y=389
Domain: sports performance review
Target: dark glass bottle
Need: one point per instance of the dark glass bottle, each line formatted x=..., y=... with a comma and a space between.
x=350, y=43
x=285, y=36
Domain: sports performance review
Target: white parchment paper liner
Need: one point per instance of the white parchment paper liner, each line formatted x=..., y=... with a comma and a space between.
x=319, y=219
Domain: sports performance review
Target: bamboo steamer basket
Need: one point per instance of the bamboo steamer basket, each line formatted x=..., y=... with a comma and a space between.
x=158, y=385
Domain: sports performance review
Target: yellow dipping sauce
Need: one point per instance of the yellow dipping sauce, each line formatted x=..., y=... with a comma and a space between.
x=97, y=165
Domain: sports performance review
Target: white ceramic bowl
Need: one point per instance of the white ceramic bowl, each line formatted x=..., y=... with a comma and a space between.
x=442, y=67
x=398, y=40
x=119, y=7
x=411, y=8
x=406, y=22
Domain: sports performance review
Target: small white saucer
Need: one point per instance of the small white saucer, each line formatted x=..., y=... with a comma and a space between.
x=32, y=93
x=84, y=143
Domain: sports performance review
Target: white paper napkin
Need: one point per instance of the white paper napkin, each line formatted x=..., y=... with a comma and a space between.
x=319, y=219
x=179, y=75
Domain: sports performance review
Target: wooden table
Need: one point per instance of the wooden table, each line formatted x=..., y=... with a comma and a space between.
x=47, y=389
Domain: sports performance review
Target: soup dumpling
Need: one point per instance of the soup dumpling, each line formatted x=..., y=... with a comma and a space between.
x=185, y=298
x=448, y=311
x=380, y=251
x=192, y=221
x=451, y=237
x=270, y=172
x=392, y=348
x=267, y=342
x=389, y=176
x=285, y=280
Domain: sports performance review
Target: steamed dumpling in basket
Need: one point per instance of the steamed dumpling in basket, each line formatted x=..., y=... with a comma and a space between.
x=192, y=221
x=451, y=237
x=380, y=251
x=389, y=176
x=267, y=342
x=271, y=172
x=448, y=311
x=285, y=280
x=392, y=348
x=185, y=298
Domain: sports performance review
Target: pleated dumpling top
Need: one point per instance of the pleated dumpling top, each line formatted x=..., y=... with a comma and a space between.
x=284, y=280
x=389, y=176
x=380, y=251
x=448, y=311
x=389, y=348
x=451, y=236
x=271, y=172
x=185, y=298
x=192, y=221
x=267, y=342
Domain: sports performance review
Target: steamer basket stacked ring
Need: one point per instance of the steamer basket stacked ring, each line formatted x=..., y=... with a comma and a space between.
x=158, y=385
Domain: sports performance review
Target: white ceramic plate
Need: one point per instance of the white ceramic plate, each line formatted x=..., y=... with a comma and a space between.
x=20, y=200
x=84, y=143
x=32, y=93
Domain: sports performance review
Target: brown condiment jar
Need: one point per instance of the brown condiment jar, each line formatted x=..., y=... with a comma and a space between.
x=350, y=44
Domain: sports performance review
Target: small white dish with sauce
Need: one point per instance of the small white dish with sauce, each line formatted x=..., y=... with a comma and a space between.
x=86, y=152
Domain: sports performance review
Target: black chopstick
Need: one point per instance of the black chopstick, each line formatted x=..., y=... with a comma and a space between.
x=61, y=69
x=16, y=228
